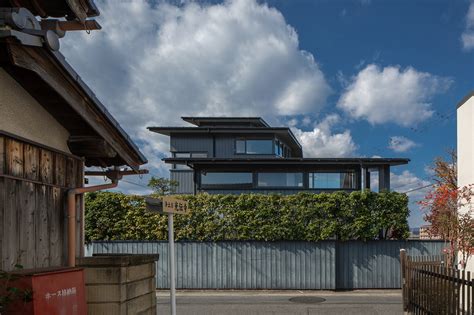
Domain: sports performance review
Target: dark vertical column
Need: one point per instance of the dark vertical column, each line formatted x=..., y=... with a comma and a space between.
x=214, y=146
x=254, y=179
x=367, y=178
x=384, y=178
x=359, y=174
x=365, y=183
x=195, y=181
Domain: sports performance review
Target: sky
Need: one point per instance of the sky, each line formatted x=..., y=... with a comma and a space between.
x=352, y=78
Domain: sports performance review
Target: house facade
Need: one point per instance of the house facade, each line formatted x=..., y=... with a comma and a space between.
x=465, y=151
x=233, y=155
x=52, y=127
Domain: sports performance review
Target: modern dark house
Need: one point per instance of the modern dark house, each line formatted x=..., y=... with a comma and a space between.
x=233, y=155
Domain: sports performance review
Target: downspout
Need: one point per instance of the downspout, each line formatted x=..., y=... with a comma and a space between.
x=71, y=210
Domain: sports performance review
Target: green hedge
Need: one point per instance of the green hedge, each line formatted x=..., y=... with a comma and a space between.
x=305, y=216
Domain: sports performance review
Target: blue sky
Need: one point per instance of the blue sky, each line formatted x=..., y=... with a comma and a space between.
x=352, y=78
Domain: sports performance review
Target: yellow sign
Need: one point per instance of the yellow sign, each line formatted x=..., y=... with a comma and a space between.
x=172, y=204
x=169, y=204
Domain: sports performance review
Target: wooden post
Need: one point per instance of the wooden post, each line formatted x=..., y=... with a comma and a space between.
x=403, y=257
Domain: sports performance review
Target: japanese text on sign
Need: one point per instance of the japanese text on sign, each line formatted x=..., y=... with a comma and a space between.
x=60, y=293
x=172, y=204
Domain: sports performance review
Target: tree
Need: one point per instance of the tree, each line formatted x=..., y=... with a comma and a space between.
x=162, y=186
x=442, y=204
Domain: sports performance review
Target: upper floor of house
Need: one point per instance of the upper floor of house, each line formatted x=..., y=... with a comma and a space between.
x=230, y=137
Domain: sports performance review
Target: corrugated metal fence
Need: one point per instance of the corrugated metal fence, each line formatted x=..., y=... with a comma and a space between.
x=278, y=265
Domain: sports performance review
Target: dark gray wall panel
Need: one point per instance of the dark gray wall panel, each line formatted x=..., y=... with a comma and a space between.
x=185, y=180
x=225, y=146
x=376, y=264
x=191, y=143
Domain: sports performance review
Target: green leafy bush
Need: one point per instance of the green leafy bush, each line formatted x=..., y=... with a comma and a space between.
x=304, y=216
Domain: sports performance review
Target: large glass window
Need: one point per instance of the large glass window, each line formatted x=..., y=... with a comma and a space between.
x=280, y=148
x=254, y=146
x=344, y=180
x=280, y=179
x=218, y=179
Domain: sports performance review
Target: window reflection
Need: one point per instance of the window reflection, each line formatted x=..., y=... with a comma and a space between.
x=344, y=180
x=280, y=179
x=254, y=146
x=219, y=179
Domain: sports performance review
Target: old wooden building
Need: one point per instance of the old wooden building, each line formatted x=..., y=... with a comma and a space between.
x=51, y=127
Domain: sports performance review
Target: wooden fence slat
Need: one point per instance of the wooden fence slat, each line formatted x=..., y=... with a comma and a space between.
x=46, y=166
x=14, y=158
x=463, y=292
x=425, y=286
x=9, y=229
x=59, y=169
x=431, y=288
x=457, y=294
x=26, y=224
x=468, y=293
x=42, y=224
x=430, y=284
x=2, y=155
x=2, y=220
x=54, y=218
x=32, y=162
x=471, y=295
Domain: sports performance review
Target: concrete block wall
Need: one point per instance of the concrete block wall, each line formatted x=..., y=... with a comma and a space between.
x=120, y=284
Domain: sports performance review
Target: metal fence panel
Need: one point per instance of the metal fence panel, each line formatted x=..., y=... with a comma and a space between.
x=376, y=264
x=325, y=265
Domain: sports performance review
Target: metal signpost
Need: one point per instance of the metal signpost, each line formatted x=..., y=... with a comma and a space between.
x=169, y=205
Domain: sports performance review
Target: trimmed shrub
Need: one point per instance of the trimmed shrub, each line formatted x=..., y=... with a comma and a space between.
x=304, y=216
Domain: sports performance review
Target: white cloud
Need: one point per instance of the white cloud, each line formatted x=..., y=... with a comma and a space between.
x=401, y=144
x=416, y=187
x=392, y=94
x=151, y=64
x=407, y=181
x=322, y=142
x=429, y=170
x=467, y=37
x=410, y=183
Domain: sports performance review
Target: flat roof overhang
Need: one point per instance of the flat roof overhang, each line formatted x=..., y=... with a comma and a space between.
x=198, y=121
x=282, y=162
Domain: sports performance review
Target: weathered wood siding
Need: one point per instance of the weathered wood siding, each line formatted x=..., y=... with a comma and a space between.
x=33, y=185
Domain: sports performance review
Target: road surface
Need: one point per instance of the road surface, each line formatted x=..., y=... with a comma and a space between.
x=283, y=302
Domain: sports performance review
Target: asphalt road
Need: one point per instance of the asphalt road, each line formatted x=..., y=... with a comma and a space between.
x=278, y=302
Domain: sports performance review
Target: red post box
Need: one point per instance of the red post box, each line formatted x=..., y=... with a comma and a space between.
x=55, y=291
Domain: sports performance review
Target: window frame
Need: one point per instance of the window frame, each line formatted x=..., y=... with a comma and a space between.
x=236, y=152
x=227, y=186
x=353, y=172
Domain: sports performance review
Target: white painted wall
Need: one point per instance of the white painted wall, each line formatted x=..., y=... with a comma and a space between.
x=465, y=149
x=22, y=115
